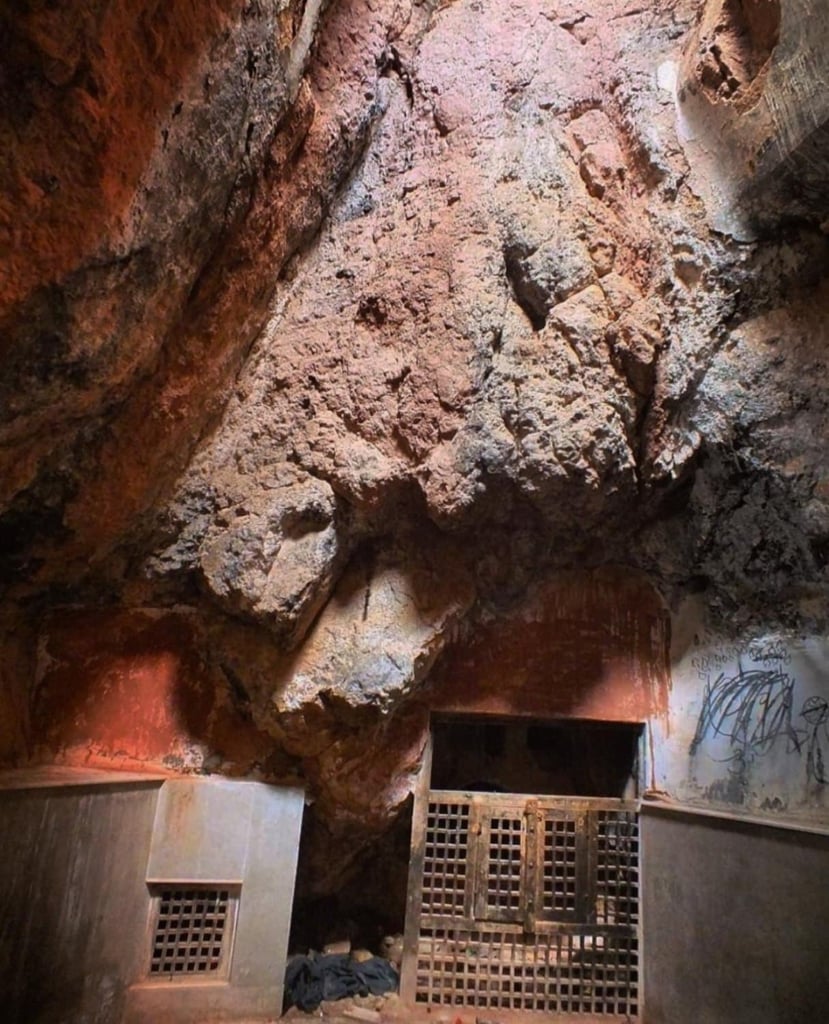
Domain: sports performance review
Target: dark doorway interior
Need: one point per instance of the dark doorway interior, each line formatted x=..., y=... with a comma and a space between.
x=367, y=904
x=564, y=758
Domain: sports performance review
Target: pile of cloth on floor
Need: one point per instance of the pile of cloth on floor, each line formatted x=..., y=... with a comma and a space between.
x=324, y=977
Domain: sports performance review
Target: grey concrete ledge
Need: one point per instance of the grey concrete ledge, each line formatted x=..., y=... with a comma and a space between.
x=59, y=776
x=677, y=809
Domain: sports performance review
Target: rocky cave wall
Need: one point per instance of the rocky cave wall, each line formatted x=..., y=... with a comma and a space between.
x=338, y=336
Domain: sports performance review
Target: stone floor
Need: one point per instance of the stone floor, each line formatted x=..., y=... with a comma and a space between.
x=391, y=1010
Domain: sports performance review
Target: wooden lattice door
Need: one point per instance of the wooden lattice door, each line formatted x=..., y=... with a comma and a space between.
x=523, y=903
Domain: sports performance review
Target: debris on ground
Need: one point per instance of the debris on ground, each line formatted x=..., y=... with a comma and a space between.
x=316, y=978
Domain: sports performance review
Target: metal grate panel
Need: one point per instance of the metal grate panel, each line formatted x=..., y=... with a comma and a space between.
x=566, y=972
x=617, y=870
x=192, y=931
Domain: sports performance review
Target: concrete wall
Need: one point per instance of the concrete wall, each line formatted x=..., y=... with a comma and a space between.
x=734, y=920
x=235, y=832
x=72, y=899
x=77, y=851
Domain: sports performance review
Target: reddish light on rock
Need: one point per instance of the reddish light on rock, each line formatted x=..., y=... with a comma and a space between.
x=130, y=690
x=590, y=645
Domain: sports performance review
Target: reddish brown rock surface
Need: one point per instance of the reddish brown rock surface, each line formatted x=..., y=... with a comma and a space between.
x=323, y=362
x=133, y=690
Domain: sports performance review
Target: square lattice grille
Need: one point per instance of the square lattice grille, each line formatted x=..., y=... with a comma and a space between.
x=507, y=970
x=445, y=858
x=504, y=874
x=529, y=904
x=559, y=866
x=193, y=931
x=617, y=875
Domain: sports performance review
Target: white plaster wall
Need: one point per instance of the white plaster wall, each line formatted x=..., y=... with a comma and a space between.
x=748, y=722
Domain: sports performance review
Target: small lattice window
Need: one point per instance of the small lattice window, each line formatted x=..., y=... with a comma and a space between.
x=560, y=858
x=192, y=931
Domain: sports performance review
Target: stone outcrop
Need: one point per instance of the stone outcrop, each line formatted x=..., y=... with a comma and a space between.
x=756, y=128
x=336, y=329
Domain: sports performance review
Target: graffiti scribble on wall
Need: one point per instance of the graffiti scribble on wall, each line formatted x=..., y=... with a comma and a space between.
x=753, y=709
x=815, y=713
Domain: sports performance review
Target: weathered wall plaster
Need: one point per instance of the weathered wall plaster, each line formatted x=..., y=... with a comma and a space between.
x=221, y=830
x=132, y=689
x=587, y=645
x=73, y=904
x=748, y=721
x=734, y=922
x=77, y=851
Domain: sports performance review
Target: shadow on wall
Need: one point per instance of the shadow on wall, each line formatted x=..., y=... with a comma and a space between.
x=754, y=112
x=369, y=903
x=72, y=899
x=753, y=538
x=131, y=690
x=17, y=658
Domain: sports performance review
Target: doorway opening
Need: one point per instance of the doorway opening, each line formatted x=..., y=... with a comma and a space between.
x=524, y=883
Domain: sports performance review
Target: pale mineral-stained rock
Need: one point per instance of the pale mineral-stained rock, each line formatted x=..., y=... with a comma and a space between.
x=270, y=549
x=336, y=699
x=754, y=121
x=515, y=295
x=377, y=637
x=448, y=326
